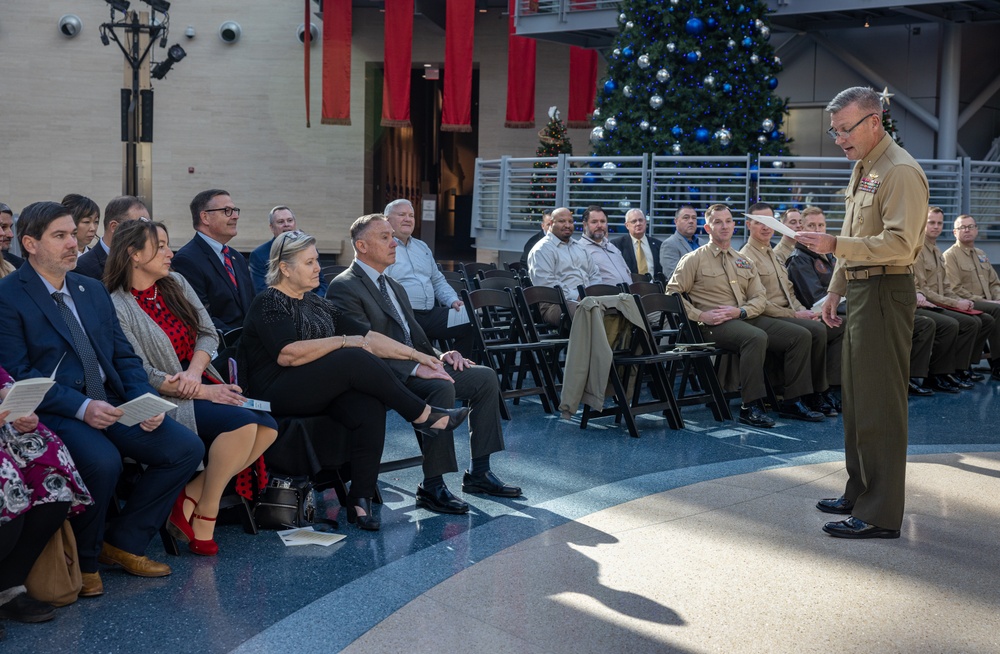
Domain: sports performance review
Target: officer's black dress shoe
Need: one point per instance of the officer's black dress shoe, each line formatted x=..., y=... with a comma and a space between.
x=818, y=402
x=958, y=383
x=915, y=390
x=799, y=411
x=440, y=500
x=940, y=384
x=489, y=484
x=840, y=505
x=25, y=608
x=755, y=416
x=969, y=376
x=854, y=528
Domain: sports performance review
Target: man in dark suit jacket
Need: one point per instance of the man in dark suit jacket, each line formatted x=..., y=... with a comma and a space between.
x=6, y=234
x=537, y=236
x=216, y=272
x=280, y=220
x=119, y=210
x=635, y=223
x=356, y=292
x=52, y=319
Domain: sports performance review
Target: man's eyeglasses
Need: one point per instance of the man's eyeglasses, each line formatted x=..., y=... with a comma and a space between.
x=966, y=228
x=229, y=211
x=834, y=134
x=285, y=238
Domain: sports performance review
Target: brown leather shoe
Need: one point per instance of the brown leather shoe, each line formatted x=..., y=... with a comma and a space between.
x=92, y=584
x=140, y=566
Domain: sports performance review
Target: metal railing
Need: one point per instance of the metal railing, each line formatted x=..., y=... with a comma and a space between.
x=511, y=192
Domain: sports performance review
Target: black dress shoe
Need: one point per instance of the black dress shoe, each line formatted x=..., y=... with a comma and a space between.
x=970, y=377
x=854, y=528
x=799, y=411
x=489, y=484
x=833, y=400
x=455, y=418
x=440, y=500
x=958, y=383
x=840, y=505
x=27, y=609
x=755, y=416
x=368, y=522
x=940, y=384
x=916, y=390
x=818, y=403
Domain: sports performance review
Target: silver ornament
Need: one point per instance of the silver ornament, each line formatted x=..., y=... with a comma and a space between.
x=656, y=102
x=644, y=125
x=778, y=164
x=629, y=25
x=609, y=168
x=675, y=149
x=765, y=32
x=724, y=136
x=762, y=139
x=730, y=44
x=624, y=204
x=671, y=47
x=758, y=23
x=662, y=75
x=652, y=128
x=675, y=2
x=617, y=52
x=627, y=91
x=777, y=60
x=611, y=124
x=754, y=59
x=622, y=17
x=643, y=61
x=597, y=112
x=709, y=81
x=767, y=125
x=697, y=53
x=597, y=135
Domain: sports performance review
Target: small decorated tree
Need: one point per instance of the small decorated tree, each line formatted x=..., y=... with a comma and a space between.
x=552, y=141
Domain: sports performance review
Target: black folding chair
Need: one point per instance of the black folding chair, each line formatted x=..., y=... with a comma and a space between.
x=645, y=288
x=470, y=269
x=595, y=290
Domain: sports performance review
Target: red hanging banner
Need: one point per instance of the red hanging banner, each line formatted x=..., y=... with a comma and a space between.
x=520, y=77
x=336, y=61
x=582, y=86
x=398, y=62
x=460, y=20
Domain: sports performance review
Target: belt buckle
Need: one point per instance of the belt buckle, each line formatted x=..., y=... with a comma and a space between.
x=861, y=274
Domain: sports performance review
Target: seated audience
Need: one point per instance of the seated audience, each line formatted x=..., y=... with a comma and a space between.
x=9, y=262
x=172, y=333
x=280, y=220
x=369, y=297
x=640, y=251
x=605, y=255
x=52, y=319
x=302, y=355
x=217, y=273
x=725, y=294
x=39, y=488
x=87, y=216
x=544, y=229
x=682, y=241
x=119, y=210
x=434, y=301
x=560, y=262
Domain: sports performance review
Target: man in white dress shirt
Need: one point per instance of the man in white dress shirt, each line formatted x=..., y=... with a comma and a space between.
x=560, y=262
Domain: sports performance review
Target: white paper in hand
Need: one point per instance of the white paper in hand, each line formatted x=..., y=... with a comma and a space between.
x=143, y=408
x=773, y=223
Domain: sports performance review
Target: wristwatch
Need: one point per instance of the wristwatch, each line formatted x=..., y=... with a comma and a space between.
x=743, y=313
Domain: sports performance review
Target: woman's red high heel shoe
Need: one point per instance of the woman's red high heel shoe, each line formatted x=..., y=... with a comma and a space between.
x=203, y=547
x=178, y=526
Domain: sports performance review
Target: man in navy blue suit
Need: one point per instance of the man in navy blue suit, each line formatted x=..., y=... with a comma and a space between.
x=119, y=210
x=280, y=220
x=217, y=273
x=51, y=316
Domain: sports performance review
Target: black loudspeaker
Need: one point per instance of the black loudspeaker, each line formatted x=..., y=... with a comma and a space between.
x=146, y=115
x=126, y=101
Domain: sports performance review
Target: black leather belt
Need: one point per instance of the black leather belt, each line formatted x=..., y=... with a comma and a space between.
x=866, y=272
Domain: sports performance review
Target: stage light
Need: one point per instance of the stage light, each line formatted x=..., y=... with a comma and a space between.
x=161, y=6
x=119, y=5
x=174, y=54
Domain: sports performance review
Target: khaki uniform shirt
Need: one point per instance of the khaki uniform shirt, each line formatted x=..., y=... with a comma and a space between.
x=885, y=212
x=781, y=300
x=783, y=250
x=713, y=277
x=971, y=274
x=930, y=278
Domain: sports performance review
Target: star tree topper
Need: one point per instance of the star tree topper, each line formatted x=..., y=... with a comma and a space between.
x=885, y=95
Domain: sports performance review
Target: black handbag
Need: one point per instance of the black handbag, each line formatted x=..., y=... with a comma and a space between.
x=286, y=503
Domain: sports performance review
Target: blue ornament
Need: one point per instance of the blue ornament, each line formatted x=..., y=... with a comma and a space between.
x=740, y=9
x=589, y=178
x=691, y=57
x=627, y=51
x=753, y=171
x=694, y=26
x=610, y=86
x=701, y=135
x=712, y=23
x=727, y=88
x=747, y=42
x=775, y=135
x=772, y=83
x=677, y=131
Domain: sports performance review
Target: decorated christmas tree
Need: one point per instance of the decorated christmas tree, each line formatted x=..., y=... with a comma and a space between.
x=552, y=141
x=691, y=77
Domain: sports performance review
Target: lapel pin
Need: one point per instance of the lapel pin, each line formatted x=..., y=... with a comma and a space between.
x=81, y=288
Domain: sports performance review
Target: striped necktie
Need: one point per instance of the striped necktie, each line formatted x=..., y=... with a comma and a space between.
x=84, y=350
x=228, y=263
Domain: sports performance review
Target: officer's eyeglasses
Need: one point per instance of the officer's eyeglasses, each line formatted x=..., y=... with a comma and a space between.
x=834, y=134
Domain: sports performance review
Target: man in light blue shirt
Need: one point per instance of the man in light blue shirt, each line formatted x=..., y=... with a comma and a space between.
x=605, y=255
x=434, y=300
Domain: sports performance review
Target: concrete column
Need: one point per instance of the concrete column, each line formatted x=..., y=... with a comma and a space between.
x=951, y=52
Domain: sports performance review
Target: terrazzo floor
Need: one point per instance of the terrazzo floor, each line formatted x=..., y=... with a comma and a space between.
x=698, y=540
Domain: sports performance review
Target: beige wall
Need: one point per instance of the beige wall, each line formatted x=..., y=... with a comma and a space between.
x=234, y=113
